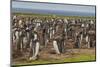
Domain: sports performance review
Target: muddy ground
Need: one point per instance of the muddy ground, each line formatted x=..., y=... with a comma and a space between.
x=48, y=54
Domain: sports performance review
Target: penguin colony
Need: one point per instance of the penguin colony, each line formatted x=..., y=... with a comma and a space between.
x=31, y=34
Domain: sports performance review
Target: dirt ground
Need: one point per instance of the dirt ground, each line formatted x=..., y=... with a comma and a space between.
x=48, y=54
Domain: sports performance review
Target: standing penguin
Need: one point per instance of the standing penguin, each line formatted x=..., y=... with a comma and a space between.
x=35, y=50
x=56, y=46
x=34, y=44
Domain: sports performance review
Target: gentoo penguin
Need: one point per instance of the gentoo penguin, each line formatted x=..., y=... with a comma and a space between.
x=55, y=45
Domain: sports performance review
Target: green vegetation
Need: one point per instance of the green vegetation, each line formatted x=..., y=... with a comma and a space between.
x=52, y=15
x=79, y=58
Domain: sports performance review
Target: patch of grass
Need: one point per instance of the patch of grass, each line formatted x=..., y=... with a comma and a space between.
x=54, y=15
x=83, y=57
x=79, y=58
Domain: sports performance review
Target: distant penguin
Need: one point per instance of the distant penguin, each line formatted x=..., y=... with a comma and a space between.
x=25, y=40
x=82, y=25
x=87, y=41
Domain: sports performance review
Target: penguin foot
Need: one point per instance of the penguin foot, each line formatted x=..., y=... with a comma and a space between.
x=32, y=58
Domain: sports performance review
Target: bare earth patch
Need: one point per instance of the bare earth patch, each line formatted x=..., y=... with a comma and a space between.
x=49, y=56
